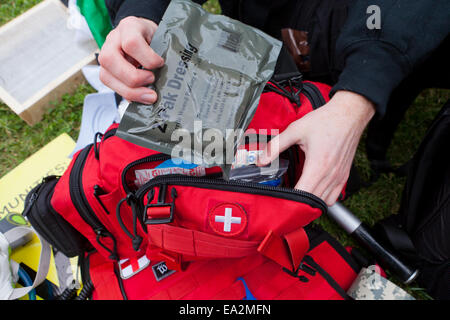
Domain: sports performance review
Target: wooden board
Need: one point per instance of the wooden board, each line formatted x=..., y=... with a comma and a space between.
x=40, y=59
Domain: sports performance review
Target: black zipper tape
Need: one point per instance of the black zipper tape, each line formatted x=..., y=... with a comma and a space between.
x=313, y=94
x=34, y=194
x=108, y=134
x=77, y=194
x=82, y=205
x=154, y=157
x=235, y=186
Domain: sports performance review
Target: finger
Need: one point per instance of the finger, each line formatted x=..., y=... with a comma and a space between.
x=137, y=47
x=141, y=94
x=331, y=186
x=132, y=61
x=111, y=59
x=331, y=195
x=312, y=175
x=277, y=145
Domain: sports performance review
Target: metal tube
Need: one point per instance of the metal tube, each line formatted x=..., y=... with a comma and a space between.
x=353, y=226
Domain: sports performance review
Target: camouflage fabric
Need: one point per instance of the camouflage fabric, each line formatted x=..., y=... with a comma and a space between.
x=370, y=285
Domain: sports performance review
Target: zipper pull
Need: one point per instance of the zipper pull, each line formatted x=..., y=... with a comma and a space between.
x=97, y=193
x=35, y=194
x=150, y=196
x=100, y=232
x=96, y=151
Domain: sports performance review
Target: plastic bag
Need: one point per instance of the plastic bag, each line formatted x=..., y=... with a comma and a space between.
x=269, y=175
x=208, y=90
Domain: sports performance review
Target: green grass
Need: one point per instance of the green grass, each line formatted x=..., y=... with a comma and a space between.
x=212, y=6
x=20, y=140
x=383, y=197
x=370, y=204
x=9, y=9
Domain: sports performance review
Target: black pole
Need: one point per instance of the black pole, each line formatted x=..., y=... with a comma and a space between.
x=353, y=226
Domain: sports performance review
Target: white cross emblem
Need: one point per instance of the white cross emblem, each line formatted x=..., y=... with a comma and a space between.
x=228, y=219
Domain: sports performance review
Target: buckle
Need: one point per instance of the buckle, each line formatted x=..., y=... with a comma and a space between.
x=162, y=211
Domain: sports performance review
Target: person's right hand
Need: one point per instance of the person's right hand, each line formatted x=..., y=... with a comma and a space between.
x=126, y=48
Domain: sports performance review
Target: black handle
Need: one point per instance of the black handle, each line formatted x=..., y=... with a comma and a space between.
x=386, y=258
x=353, y=226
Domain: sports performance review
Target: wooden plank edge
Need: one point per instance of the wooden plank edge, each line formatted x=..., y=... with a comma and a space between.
x=34, y=113
x=26, y=14
x=56, y=82
x=9, y=100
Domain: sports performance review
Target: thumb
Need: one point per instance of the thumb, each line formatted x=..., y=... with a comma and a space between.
x=275, y=146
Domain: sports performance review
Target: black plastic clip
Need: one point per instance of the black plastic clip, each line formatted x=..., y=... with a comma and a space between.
x=162, y=211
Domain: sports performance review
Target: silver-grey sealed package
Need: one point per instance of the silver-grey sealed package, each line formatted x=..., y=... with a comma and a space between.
x=208, y=90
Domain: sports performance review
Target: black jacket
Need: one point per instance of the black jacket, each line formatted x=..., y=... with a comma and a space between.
x=374, y=61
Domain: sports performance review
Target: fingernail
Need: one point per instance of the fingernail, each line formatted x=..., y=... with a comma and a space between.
x=148, y=97
x=262, y=160
x=150, y=79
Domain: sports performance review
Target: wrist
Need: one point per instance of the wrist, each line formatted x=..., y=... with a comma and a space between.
x=148, y=22
x=355, y=105
x=141, y=20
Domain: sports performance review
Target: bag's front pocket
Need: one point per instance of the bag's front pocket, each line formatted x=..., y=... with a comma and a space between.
x=49, y=223
x=214, y=218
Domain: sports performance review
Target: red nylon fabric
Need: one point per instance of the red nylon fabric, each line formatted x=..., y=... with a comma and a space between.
x=191, y=235
x=268, y=116
x=218, y=279
x=103, y=277
x=194, y=204
x=200, y=215
x=287, y=251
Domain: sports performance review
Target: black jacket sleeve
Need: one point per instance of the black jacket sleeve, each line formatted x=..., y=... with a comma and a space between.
x=377, y=60
x=150, y=9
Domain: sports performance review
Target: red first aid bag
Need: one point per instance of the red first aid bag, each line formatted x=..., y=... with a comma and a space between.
x=135, y=211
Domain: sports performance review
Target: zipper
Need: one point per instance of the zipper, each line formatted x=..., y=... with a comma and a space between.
x=154, y=157
x=235, y=186
x=81, y=203
x=34, y=194
x=108, y=134
x=313, y=94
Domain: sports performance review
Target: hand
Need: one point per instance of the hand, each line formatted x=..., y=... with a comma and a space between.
x=329, y=137
x=125, y=49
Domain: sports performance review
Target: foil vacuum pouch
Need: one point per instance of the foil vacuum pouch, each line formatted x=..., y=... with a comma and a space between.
x=208, y=89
